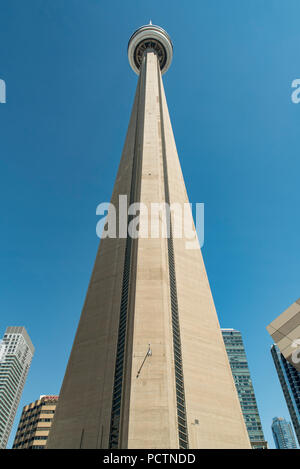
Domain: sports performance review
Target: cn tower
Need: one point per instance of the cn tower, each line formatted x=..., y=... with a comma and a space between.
x=148, y=366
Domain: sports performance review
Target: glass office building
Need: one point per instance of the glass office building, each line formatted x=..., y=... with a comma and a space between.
x=289, y=379
x=283, y=434
x=241, y=375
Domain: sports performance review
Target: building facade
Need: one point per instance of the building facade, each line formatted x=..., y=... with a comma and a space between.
x=148, y=367
x=35, y=423
x=283, y=434
x=285, y=331
x=289, y=379
x=16, y=352
x=242, y=378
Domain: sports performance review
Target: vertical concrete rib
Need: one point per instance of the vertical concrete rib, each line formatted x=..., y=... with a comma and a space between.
x=214, y=416
x=121, y=389
x=83, y=415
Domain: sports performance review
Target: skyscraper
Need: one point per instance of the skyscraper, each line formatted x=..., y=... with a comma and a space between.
x=241, y=375
x=289, y=379
x=16, y=352
x=283, y=434
x=285, y=331
x=148, y=367
x=35, y=423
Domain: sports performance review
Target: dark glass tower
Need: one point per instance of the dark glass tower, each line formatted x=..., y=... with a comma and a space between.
x=241, y=374
x=289, y=379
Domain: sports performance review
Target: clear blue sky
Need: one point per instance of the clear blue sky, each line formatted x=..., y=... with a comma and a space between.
x=69, y=96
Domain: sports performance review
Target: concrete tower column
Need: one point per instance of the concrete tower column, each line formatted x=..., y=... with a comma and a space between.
x=148, y=367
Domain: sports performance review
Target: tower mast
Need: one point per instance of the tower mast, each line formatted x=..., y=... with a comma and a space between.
x=149, y=290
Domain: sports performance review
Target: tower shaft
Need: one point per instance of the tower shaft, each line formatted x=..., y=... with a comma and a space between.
x=149, y=290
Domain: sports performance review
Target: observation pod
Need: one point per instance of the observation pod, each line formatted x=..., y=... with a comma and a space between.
x=150, y=37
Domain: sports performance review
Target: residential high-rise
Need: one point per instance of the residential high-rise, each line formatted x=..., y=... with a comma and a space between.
x=16, y=352
x=285, y=331
x=283, y=434
x=148, y=367
x=289, y=379
x=241, y=375
x=35, y=423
